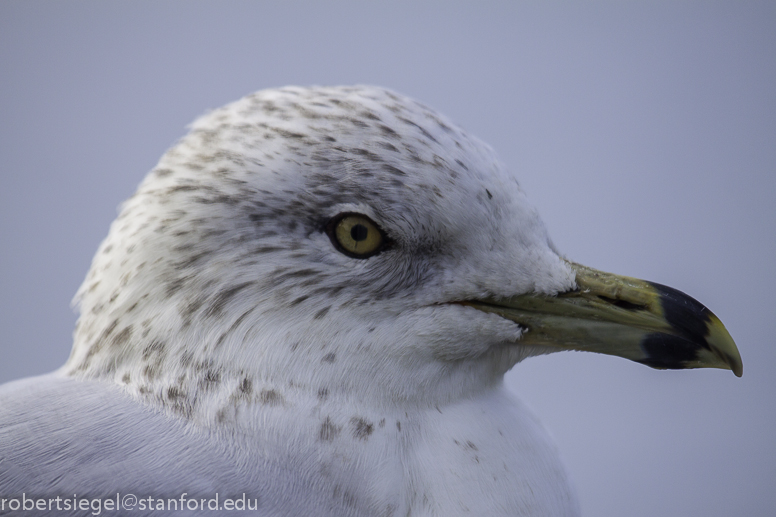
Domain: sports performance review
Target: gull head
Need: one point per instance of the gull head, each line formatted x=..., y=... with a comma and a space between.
x=351, y=242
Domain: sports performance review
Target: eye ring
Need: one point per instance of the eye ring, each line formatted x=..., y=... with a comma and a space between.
x=356, y=235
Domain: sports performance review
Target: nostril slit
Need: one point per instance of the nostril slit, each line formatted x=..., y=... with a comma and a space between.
x=623, y=304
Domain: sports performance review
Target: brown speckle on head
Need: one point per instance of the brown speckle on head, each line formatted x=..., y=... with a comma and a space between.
x=222, y=298
x=361, y=428
x=328, y=430
x=323, y=394
x=246, y=386
x=151, y=371
x=270, y=398
x=155, y=347
x=321, y=313
x=174, y=393
x=233, y=327
x=299, y=299
x=210, y=380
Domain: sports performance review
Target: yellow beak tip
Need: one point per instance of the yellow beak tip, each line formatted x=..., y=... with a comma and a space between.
x=722, y=344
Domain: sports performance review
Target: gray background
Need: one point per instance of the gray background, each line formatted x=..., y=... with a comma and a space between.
x=644, y=132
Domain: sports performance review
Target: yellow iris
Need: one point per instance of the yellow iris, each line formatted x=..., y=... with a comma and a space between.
x=358, y=235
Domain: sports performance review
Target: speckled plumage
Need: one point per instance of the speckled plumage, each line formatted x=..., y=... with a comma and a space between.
x=224, y=344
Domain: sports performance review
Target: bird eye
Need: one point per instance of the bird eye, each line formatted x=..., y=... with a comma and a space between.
x=355, y=235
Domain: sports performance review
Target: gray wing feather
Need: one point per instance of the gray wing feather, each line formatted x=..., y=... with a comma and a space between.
x=60, y=437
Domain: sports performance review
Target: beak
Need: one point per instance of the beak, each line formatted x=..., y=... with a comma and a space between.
x=617, y=315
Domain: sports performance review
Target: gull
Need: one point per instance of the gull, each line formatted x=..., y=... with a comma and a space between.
x=310, y=303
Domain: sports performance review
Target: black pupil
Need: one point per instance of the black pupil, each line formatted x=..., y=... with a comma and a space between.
x=358, y=232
